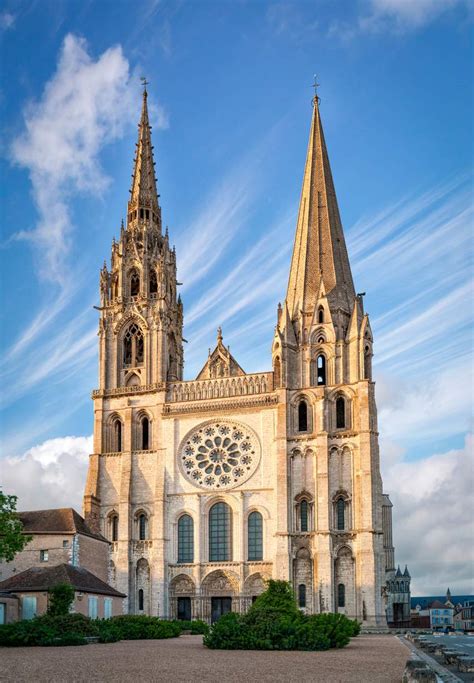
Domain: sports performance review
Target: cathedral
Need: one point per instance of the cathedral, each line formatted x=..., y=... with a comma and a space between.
x=208, y=487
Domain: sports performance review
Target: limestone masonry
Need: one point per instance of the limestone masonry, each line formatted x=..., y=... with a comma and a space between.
x=207, y=487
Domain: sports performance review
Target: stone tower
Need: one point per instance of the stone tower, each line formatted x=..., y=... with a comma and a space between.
x=322, y=357
x=207, y=487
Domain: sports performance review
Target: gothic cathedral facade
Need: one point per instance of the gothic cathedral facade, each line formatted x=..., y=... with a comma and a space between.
x=208, y=487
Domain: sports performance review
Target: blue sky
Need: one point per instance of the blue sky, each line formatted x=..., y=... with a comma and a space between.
x=230, y=95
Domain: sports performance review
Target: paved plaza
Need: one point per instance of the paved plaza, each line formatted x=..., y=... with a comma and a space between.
x=367, y=659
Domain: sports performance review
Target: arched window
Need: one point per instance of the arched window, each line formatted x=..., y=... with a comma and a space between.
x=220, y=542
x=145, y=434
x=140, y=600
x=340, y=412
x=153, y=282
x=304, y=514
x=117, y=436
x=277, y=372
x=133, y=346
x=321, y=315
x=367, y=364
x=134, y=283
x=302, y=416
x=321, y=370
x=255, y=537
x=302, y=595
x=340, y=514
x=341, y=595
x=114, y=528
x=185, y=539
x=142, y=527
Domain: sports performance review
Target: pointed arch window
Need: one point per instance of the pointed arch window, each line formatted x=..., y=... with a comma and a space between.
x=367, y=364
x=340, y=412
x=114, y=520
x=321, y=370
x=341, y=595
x=277, y=372
x=302, y=416
x=153, y=282
x=133, y=346
x=220, y=541
x=142, y=527
x=185, y=539
x=255, y=537
x=141, y=600
x=145, y=423
x=302, y=595
x=304, y=515
x=117, y=427
x=341, y=514
x=134, y=283
x=321, y=315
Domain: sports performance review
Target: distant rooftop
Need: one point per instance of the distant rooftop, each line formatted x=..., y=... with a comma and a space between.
x=425, y=601
x=44, y=578
x=56, y=521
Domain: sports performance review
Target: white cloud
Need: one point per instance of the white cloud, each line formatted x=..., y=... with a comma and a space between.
x=84, y=106
x=49, y=475
x=405, y=14
x=7, y=20
x=433, y=517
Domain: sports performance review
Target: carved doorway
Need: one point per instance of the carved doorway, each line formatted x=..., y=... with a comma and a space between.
x=184, y=609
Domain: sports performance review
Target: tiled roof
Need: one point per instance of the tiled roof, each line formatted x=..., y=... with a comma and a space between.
x=425, y=601
x=56, y=521
x=43, y=578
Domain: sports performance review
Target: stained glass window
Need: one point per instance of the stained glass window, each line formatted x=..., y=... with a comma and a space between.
x=304, y=515
x=220, y=543
x=255, y=537
x=185, y=539
x=340, y=513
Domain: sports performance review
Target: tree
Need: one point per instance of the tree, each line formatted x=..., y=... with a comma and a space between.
x=12, y=538
x=61, y=598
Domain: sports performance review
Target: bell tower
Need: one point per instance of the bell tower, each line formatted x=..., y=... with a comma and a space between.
x=141, y=319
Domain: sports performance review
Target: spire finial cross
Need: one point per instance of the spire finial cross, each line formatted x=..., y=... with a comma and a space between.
x=315, y=86
x=144, y=82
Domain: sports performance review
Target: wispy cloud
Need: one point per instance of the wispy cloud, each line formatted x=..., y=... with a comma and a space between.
x=84, y=106
x=7, y=21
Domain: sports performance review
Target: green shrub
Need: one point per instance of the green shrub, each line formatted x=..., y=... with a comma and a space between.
x=61, y=598
x=142, y=627
x=275, y=623
x=197, y=627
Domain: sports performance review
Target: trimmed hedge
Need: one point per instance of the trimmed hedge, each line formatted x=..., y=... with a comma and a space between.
x=274, y=622
x=73, y=629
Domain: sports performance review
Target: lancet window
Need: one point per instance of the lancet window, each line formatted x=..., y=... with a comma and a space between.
x=302, y=416
x=133, y=346
x=220, y=540
x=255, y=537
x=134, y=283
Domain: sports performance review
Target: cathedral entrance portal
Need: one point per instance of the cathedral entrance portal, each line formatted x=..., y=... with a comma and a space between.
x=219, y=607
x=184, y=609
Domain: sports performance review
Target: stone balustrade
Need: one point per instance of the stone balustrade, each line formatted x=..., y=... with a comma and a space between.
x=222, y=387
x=126, y=391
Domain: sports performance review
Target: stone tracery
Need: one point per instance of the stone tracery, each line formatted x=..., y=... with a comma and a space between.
x=219, y=455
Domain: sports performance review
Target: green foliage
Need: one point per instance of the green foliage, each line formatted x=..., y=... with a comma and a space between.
x=12, y=539
x=197, y=627
x=275, y=623
x=72, y=629
x=61, y=598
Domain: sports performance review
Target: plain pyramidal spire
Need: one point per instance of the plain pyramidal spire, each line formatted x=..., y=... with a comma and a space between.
x=143, y=193
x=319, y=251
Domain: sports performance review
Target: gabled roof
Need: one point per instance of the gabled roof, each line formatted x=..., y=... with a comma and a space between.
x=44, y=578
x=437, y=604
x=56, y=521
x=221, y=363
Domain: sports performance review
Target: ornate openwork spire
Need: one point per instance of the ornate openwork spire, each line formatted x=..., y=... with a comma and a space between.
x=143, y=204
x=319, y=252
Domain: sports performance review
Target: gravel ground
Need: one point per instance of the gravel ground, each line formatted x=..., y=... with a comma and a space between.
x=366, y=659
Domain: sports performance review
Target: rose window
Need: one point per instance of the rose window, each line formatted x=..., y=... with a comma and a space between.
x=219, y=455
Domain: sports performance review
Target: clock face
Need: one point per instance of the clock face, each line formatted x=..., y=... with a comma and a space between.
x=219, y=454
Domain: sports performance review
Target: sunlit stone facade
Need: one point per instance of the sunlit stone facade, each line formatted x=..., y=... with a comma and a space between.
x=207, y=487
